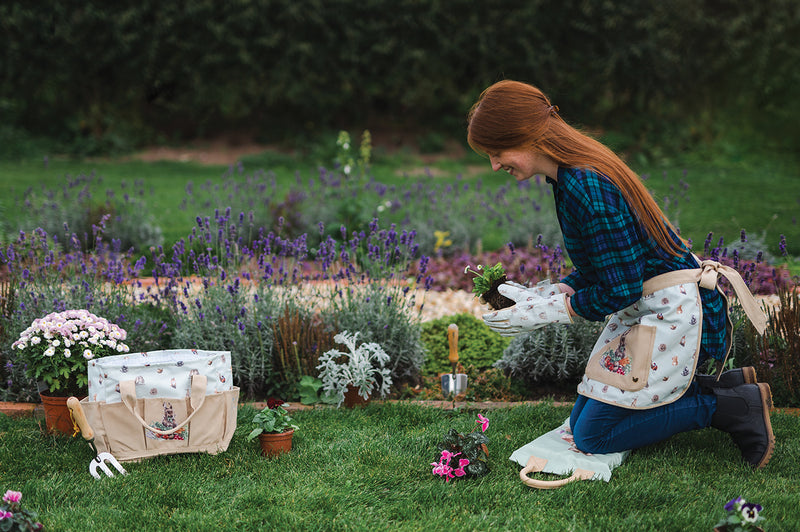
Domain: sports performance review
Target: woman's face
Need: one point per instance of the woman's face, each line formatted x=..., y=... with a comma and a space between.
x=520, y=163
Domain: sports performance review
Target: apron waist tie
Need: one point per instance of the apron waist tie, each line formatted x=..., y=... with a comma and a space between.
x=709, y=273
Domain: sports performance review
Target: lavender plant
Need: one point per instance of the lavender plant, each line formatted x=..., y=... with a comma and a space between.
x=379, y=303
x=76, y=208
x=551, y=354
x=245, y=287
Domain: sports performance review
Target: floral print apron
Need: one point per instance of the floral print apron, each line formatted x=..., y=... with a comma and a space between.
x=647, y=354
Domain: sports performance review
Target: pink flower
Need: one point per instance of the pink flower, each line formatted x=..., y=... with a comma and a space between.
x=12, y=497
x=443, y=468
x=483, y=422
x=462, y=463
x=5, y=515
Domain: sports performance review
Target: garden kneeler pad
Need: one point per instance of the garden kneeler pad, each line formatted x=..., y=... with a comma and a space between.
x=555, y=452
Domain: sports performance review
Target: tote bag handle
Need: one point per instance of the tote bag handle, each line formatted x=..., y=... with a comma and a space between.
x=198, y=397
x=536, y=464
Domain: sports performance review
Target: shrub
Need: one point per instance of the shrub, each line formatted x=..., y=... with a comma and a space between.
x=551, y=354
x=775, y=354
x=300, y=336
x=226, y=316
x=384, y=314
x=477, y=345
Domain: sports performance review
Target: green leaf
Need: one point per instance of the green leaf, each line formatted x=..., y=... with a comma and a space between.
x=254, y=434
x=308, y=387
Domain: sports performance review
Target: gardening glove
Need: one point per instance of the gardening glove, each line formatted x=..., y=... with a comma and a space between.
x=530, y=313
x=518, y=292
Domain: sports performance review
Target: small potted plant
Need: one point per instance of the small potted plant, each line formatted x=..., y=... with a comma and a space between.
x=56, y=349
x=274, y=428
x=353, y=376
x=742, y=515
x=463, y=455
x=486, y=283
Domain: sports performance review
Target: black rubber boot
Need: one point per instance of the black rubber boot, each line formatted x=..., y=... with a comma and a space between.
x=728, y=379
x=743, y=412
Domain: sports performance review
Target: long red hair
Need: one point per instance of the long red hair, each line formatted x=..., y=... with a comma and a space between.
x=515, y=115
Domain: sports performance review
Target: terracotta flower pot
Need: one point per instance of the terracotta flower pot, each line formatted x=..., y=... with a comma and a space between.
x=274, y=444
x=56, y=415
x=352, y=399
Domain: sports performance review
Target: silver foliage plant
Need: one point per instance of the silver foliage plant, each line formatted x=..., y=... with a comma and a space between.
x=557, y=353
x=362, y=367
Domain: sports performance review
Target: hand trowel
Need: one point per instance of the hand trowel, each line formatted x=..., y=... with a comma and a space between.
x=453, y=383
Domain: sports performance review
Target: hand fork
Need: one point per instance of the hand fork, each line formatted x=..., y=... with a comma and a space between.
x=99, y=461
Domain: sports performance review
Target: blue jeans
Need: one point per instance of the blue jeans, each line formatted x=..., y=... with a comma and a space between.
x=601, y=428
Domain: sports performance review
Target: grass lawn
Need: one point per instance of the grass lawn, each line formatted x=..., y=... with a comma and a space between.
x=367, y=469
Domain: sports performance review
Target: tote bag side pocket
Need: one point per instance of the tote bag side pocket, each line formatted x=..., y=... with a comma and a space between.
x=624, y=362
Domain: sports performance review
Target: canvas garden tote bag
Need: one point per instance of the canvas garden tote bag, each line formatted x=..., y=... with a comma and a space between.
x=140, y=427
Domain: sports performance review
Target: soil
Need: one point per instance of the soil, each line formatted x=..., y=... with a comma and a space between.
x=495, y=299
x=228, y=149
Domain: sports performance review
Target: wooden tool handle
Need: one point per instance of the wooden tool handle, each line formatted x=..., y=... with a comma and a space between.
x=452, y=339
x=80, y=418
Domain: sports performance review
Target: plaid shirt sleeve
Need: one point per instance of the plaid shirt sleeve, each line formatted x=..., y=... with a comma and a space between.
x=613, y=256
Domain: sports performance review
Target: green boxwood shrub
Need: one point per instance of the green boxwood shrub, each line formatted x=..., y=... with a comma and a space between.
x=477, y=344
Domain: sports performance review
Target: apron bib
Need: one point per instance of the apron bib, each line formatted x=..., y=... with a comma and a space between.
x=647, y=354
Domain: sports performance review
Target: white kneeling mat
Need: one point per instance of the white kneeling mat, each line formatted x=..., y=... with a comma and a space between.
x=555, y=452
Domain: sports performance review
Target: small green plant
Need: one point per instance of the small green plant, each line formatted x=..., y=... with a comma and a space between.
x=483, y=282
x=273, y=419
x=309, y=389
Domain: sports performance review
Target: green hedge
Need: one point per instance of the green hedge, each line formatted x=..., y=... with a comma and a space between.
x=92, y=70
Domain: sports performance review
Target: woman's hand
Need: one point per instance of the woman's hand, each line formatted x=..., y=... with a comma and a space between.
x=530, y=313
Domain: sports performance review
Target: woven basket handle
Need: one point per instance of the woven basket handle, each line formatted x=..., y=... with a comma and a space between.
x=536, y=464
x=198, y=397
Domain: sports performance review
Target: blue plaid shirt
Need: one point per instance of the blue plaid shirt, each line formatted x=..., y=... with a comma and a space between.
x=613, y=255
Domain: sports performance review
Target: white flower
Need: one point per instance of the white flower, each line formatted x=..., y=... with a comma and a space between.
x=87, y=354
x=55, y=343
x=50, y=351
x=84, y=335
x=67, y=353
x=347, y=169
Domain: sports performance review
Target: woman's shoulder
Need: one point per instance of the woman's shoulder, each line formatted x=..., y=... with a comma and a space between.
x=587, y=184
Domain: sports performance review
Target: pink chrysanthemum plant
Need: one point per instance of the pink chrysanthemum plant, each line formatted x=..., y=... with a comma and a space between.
x=463, y=455
x=57, y=347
